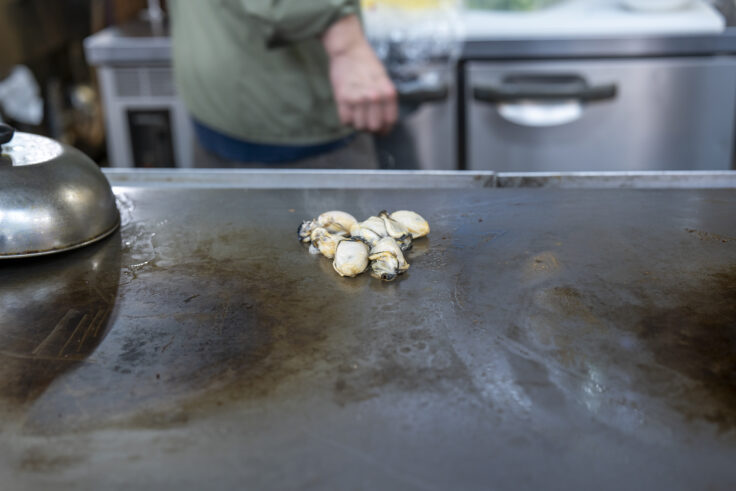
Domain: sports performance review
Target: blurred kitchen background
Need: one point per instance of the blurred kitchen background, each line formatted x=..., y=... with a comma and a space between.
x=506, y=85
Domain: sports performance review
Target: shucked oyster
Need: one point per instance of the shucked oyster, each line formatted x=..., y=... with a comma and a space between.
x=388, y=244
x=379, y=239
x=335, y=222
x=365, y=235
x=324, y=242
x=393, y=228
x=384, y=266
x=387, y=260
x=369, y=231
x=396, y=230
x=414, y=223
x=305, y=230
x=351, y=257
x=374, y=224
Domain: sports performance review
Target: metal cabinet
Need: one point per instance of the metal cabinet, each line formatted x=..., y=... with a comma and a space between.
x=147, y=124
x=588, y=115
x=432, y=130
x=425, y=135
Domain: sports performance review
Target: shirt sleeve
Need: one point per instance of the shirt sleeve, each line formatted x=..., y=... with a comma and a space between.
x=287, y=21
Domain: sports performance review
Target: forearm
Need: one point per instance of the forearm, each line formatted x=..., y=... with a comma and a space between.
x=343, y=35
x=365, y=97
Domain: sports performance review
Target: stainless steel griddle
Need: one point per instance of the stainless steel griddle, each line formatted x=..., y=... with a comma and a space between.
x=543, y=338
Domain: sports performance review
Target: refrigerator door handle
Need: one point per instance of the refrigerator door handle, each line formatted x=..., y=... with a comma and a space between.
x=543, y=87
x=540, y=100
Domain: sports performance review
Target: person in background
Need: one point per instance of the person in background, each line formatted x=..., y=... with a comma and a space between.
x=279, y=82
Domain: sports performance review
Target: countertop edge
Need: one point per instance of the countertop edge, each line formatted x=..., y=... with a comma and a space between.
x=381, y=179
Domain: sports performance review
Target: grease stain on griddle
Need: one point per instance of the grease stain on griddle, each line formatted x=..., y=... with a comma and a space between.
x=37, y=459
x=697, y=339
x=709, y=236
x=249, y=326
x=685, y=352
x=415, y=361
x=542, y=266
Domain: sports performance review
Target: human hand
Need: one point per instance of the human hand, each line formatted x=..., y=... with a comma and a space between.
x=365, y=97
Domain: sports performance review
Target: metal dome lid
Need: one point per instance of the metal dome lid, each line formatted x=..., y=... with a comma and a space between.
x=53, y=198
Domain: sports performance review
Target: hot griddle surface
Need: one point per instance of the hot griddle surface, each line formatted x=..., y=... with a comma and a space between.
x=541, y=338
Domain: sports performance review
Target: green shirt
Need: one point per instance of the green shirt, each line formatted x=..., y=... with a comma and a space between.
x=256, y=69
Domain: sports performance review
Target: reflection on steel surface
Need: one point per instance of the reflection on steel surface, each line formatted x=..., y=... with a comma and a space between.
x=55, y=311
x=28, y=149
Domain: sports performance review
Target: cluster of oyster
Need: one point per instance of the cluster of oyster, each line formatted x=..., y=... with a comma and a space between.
x=380, y=240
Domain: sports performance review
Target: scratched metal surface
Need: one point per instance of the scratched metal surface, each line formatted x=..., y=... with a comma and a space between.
x=542, y=338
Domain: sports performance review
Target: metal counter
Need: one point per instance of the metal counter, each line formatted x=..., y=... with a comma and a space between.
x=406, y=179
x=603, y=47
x=542, y=338
x=143, y=42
